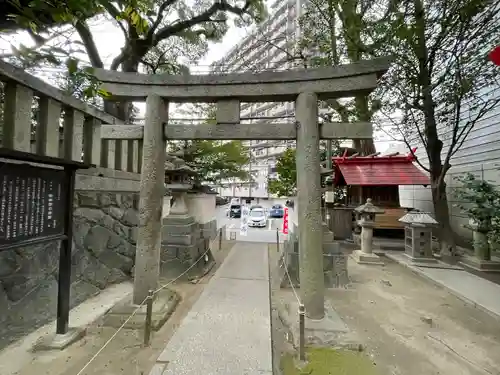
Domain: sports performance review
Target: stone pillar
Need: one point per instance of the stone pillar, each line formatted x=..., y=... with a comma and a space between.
x=167, y=201
x=481, y=261
x=366, y=238
x=481, y=245
x=147, y=257
x=309, y=206
x=179, y=207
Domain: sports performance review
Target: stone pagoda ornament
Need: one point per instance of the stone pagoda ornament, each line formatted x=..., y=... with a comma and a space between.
x=179, y=179
x=367, y=213
x=182, y=241
x=418, y=236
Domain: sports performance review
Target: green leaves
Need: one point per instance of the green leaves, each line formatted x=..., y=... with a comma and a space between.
x=286, y=183
x=215, y=160
x=81, y=82
x=132, y=14
x=479, y=200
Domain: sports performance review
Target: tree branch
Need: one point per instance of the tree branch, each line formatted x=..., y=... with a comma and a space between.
x=89, y=43
x=159, y=19
x=175, y=28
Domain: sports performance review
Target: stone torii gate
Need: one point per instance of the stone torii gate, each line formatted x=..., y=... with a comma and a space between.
x=304, y=87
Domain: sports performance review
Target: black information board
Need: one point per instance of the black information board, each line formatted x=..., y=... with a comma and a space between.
x=32, y=203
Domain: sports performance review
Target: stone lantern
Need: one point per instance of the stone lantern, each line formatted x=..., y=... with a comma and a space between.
x=179, y=179
x=418, y=236
x=367, y=213
x=481, y=260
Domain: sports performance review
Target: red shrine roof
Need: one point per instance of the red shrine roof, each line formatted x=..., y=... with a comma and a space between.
x=378, y=170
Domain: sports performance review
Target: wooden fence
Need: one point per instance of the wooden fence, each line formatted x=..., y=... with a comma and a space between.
x=41, y=119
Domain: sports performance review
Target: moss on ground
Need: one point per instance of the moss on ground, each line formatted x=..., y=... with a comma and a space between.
x=327, y=361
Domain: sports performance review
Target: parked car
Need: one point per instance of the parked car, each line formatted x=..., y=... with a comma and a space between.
x=257, y=218
x=256, y=206
x=235, y=211
x=220, y=201
x=277, y=211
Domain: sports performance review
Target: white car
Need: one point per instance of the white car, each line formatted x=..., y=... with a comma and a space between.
x=257, y=218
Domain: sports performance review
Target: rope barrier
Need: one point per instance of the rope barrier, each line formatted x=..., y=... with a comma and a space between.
x=302, y=315
x=138, y=308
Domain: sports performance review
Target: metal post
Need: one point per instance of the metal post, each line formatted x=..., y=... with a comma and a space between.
x=302, y=328
x=149, y=318
x=64, y=279
x=277, y=240
x=220, y=239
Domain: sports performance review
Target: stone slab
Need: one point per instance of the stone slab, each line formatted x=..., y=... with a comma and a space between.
x=378, y=244
x=163, y=306
x=173, y=219
x=329, y=331
x=364, y=258
x=59, y=342
x=168, y=229
x=178, y=239
x=480, y=265
x=471, y=289
x=403, y=258
x=228, y=330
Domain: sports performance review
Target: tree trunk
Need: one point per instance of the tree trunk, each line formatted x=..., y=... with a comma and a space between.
x=363, y=146
x=123, y=110
x=442, y=212
x=353, y=27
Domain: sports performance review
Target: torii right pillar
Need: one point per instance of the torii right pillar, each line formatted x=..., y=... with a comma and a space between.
x=312, y=287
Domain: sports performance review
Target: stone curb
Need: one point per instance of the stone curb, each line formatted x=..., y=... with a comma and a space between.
x=415, y=270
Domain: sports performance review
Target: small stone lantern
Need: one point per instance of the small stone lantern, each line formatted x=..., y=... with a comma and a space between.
x=418, y=236
x=367, y=213
x=481, y=260
x=179, y=179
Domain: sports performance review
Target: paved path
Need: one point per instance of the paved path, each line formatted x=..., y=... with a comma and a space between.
x=470, y=288
x=228, y=330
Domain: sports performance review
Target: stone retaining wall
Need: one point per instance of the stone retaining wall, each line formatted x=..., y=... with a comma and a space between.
x=105, y=233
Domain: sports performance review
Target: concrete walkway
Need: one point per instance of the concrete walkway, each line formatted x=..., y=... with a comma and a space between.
x=472, y=289
x=228, y=330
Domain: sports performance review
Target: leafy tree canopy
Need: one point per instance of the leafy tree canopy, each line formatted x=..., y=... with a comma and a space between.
x=338, y=32
x=285, y=185
x=160, y=36
x=215, y=161
x=441, y=83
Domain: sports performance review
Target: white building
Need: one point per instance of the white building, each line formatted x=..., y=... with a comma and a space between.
x=270, y=47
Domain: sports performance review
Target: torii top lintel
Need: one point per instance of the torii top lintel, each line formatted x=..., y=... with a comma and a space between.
x=328, y=82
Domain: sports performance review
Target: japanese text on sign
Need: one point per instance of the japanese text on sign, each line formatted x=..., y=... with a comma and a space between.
x=285, y=221
x=31, y=203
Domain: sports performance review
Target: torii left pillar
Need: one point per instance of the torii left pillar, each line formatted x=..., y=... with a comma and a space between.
x=147, y=255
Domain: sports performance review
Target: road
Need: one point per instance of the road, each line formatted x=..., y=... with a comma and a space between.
x=267, y=234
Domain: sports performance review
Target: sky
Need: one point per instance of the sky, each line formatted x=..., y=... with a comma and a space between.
x=110, y=39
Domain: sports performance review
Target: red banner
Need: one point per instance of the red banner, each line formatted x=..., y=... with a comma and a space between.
x=494, y=55
x=285, y=221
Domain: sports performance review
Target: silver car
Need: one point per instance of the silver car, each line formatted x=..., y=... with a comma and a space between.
x=257, y=218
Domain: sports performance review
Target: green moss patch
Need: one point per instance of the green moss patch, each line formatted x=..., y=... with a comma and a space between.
x=327, y=361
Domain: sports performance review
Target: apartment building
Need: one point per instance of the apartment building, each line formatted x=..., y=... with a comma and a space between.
x=271, y=46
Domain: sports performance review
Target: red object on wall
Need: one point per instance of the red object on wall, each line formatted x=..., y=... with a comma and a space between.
x=378, y=171
x=285, y=221
x=495, y=56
